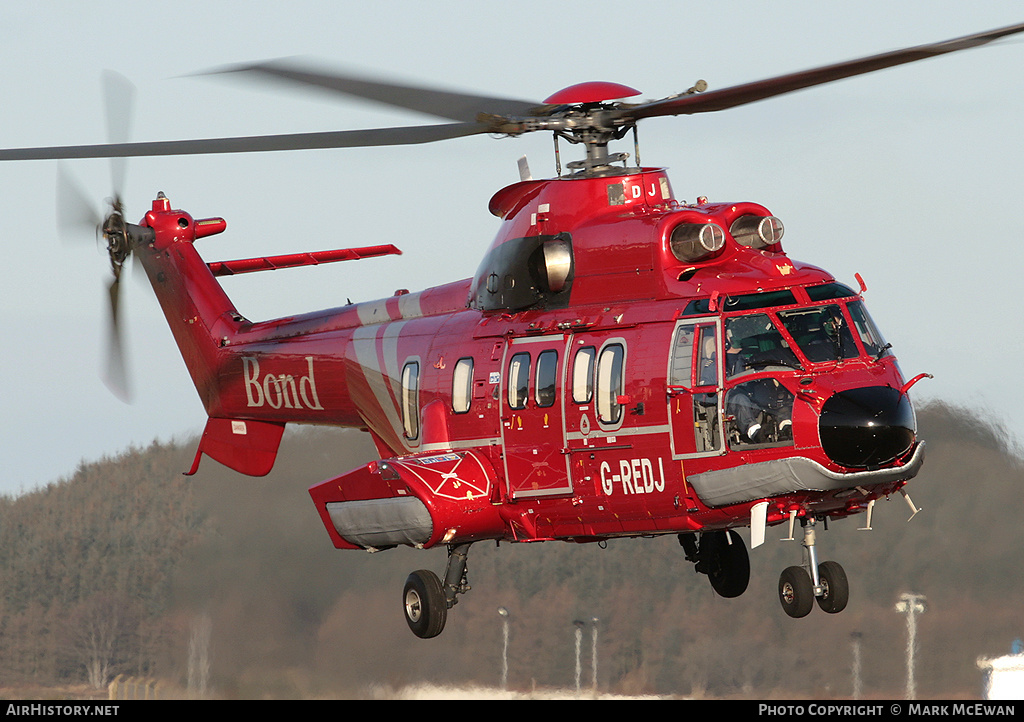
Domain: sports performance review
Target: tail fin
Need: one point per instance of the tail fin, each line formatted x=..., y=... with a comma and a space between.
x=198, y=311
x=204, y=322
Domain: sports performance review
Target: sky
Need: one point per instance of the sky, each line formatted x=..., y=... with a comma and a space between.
x=909, y=176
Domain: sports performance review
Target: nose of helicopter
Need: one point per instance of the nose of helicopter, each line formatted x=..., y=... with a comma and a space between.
x=867, y=427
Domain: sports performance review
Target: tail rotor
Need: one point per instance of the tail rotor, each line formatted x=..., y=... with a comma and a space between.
x=76, y=214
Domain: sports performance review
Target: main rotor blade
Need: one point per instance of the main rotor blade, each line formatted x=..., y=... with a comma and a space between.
x=759, y=90
x=256, y=143
x=462, y=107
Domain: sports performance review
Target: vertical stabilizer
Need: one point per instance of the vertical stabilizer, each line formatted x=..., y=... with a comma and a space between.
x=201, y=316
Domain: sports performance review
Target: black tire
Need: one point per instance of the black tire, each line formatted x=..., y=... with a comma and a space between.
x=835, y=589
x=424, y=604
x=727, y=565
x=796, y=592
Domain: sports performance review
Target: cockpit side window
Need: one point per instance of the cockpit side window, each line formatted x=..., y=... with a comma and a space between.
x=681, y=368
x=682, y=372
x=759, y=413
x=870, y=336
x=707, y=357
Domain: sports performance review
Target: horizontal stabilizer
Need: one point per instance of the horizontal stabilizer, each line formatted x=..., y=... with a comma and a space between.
x=248, y=447
x=292, y=260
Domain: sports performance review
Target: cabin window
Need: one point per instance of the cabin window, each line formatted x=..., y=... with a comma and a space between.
x=583, y=375
x=609, y=384
x=519, y=381
x=410, y=400
x=547, y=372
x=462, y=385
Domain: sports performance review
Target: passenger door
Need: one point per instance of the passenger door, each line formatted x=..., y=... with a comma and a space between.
x=533, y=423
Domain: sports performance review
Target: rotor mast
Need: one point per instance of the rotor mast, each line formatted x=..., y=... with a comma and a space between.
x=582, y=115
x=595, y=140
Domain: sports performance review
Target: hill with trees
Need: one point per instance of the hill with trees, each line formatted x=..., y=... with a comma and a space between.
x=229, y=583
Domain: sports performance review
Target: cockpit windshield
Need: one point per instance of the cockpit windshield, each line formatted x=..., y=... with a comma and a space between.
x=766, y=342
x=821, y=333
x=754, y=344
x=870, y=336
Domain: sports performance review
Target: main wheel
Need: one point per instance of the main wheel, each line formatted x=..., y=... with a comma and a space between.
x=724, y=559
x=835, y=590
x=425, y=607
x=796, y=593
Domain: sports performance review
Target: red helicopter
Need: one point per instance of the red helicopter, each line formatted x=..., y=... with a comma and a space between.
x=622, y=364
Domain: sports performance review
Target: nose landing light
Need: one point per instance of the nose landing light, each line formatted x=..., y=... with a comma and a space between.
x=867, y=427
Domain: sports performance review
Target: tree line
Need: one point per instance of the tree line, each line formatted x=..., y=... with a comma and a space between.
x=230, y=583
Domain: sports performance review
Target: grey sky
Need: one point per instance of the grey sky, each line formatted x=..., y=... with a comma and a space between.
x=910, y=176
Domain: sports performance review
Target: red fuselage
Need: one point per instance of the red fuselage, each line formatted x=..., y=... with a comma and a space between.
x=596, y=378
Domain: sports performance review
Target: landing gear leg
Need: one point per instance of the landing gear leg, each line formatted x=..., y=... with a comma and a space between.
x=825, y=583
x=426, y=599
x=455, y=576
x=723, y=557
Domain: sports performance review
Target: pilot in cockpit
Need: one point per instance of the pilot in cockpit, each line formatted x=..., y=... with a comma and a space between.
x=733, y=355
x=762, y=411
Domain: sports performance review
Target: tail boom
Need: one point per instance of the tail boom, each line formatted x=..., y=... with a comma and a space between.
x=326, y=368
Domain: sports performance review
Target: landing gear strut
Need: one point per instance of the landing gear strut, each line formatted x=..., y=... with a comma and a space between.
x=825, y=583
x=723, y=557
x=426, y=599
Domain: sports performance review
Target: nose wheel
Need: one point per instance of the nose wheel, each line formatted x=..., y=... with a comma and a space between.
x=796, y=592
x=800, y=587
x=835, y=590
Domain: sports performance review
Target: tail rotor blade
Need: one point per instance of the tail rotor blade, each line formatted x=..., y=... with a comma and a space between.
x=116, y=373
x=76, y=214
x=119, y=99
